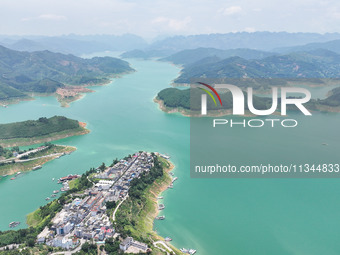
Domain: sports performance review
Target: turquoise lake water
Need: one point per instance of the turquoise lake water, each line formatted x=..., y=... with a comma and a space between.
x=214, y=216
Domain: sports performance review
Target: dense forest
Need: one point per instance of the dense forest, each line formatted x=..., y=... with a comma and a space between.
x=314, y=64
x=36, y=128
x=45, y=71
x=333, y=100
x=131, y=210
x=191, y=99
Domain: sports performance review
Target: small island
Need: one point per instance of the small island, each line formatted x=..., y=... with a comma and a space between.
x=13, y=159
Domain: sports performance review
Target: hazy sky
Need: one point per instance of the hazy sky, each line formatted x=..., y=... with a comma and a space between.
x=150, y=18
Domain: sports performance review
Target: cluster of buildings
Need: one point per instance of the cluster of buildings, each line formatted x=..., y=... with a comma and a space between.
x=86, y=218
x=129, y=245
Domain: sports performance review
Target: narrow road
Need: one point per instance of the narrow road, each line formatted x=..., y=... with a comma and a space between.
x=114, y=212
x=165, y=245
x=30, y=159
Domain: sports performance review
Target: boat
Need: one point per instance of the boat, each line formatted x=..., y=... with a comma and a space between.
x=171, y=173
x=160, y=218
x=159, y=197
x=53, y=179
x=164, y=156
x=36, y=168
x=192, y=251
x=18, y=173
x=168, y=239
x=13, y=224
x=47, y=198
x=55, y=191
x=5, y=175
x=12, y=178
x=171, y=186
x=184, y=250
x=174, y=179
x=161, y=206
x=325, y=144
x=53, y=195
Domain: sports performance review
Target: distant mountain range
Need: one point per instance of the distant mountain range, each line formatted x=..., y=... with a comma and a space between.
x=313, y=64
x=74, y=44
x=331, y=45
x=187, y=57
x=85, y=44
x=44, y=71
x=266, y=41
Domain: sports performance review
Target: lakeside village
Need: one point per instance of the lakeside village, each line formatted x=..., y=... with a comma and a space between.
x=85, y=217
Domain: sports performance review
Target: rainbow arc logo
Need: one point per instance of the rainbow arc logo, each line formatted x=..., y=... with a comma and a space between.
x=209, y=93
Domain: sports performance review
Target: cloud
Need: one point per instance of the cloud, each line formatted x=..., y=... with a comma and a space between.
x=173, y=24
x=51, y=17
x=231, y=10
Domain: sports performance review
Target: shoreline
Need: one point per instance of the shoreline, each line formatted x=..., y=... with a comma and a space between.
x=29, y=165
x=186, y=113
x=82, y=130
x=155, y=191
x=64, y=102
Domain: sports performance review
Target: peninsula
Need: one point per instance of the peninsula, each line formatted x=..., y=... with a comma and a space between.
x=43, y=130
x=25, y=74
x=111, y=208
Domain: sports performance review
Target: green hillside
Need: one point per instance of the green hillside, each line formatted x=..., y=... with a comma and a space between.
x=45, y=72
x=36, y=128
x=187, y=57
x=315, y=64
x=191, y=99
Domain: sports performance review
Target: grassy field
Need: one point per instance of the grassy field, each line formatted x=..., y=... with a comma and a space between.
x=39, y=217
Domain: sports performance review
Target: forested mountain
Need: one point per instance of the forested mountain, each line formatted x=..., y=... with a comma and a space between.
x=187, y=57
x=74, y=44
x=44, y=71
x=333, y=45
x=314, y=64
x=266, y=41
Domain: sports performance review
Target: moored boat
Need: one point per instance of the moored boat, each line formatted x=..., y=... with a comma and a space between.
x=192, y=251
x=36, y=168
x=13, y=224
